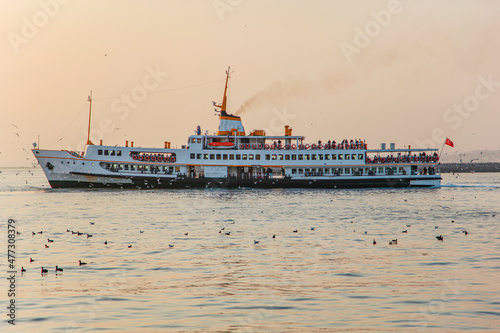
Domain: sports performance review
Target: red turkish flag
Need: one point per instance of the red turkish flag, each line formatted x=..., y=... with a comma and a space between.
x=449, y=142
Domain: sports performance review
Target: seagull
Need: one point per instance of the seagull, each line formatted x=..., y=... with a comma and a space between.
x=228, y=233
x=256, y=242
x=89, y=235
x=465, y=232
x=374, y=242
x=44, y=270
x=186, y=234
x=295, y=231
x=440, y=237
x=105, y=242
x=58, y=269
x=23, y=270
x=274, y=236
x=129, y=246
x=31, y=259
x=46, y=246
x=170, y=245
x=312, y=228
x=141, y=231
x=408, y=225
x=92, y=223
x=50, y=240
x=82, y=263
x=404, y=231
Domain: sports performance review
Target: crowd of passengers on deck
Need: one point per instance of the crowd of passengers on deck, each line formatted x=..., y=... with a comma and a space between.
x=422, y=157
x=345, y=144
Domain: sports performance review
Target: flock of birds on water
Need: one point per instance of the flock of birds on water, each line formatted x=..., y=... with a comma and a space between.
x=222, y=230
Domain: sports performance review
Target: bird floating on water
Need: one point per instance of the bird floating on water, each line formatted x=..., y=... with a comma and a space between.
x=31, y=259
x=295, y=231
x=46, y=246
x=58, y=269
x=408, y=225
x=89, y=235
x=50, y=240
x=374, y=242
x=92, y=223
x=440, y=237
x=82, y=263
x=404, y=231
x=185, y=234
x=170, y=245
x=256, y=241
x=274, y=236
x=23, y=270
x=312, y=228
x=44, y=270
x=129, y=246
x=393, y=242
x=106, y=242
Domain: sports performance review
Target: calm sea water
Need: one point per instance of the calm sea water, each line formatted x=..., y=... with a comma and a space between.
x=332, y=278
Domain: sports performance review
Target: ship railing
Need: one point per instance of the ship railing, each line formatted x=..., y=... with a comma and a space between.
x=421, y=158
x=307, y=146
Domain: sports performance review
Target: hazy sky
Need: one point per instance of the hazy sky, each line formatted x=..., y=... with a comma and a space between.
x=409, y=72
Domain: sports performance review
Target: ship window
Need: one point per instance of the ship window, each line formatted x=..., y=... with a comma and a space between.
x=380, y=170
x=192, y=156
x=118, y=153
x=112, y=153
x=354, y=156
x=106, y=152
x=334, y=157
x=193, y=140
x=231, y=156
x=244, y=156
x=347, y=171
x=360, y=156
x=294, y=157
x=224, y=157
x=99, y=152
x=307, y=157
x=250, y=157
x=212, y=156
x=327, y=156
x=327, y=171
x=218, y=156
x=177, y=169
x=198, y=140
x=301, y=171
x=313, y=157
x=268, y=157
x=341, y=156
x=347, y=156
x=126, y=166
x=238, y=156
x=273, y=157
x=320, y=156
x=198, y=156
x=287, y=157
x=301, y=157
x=294, y=171
x=205, y=156
x=280, y=157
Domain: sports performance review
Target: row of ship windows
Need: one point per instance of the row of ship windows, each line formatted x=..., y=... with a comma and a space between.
x=141, y=168
x=278, y=157
x=107, y=152
x=347, y=171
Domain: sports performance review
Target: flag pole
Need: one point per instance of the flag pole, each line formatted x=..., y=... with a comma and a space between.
x=442, y=148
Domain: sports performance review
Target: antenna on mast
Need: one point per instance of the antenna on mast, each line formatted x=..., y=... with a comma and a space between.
x=90, y=114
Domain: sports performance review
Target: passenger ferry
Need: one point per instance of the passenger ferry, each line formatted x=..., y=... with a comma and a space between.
x=232, y=159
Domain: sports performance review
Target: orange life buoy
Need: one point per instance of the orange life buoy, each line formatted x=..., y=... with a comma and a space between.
x=242, y=146
x=172, y=158
x=301, y=146
x=260, y=146
x=435, y=158
x=141, y=157
x=134, y=157
x=287, y=147
x=306, y=146
x=247, y=146
x=294, y=146
x=313, y=146
x=254, y=146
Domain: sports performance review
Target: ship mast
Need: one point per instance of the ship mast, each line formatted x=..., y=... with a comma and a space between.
x=90, y=113
x=224, y=99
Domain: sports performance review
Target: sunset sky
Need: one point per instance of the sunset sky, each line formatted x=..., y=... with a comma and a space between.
x=409, y=72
